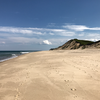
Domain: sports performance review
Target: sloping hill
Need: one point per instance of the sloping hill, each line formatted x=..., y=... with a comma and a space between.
x=78, y=44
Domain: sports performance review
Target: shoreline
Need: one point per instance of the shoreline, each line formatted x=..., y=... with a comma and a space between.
x=7, y=59
x=14, y=55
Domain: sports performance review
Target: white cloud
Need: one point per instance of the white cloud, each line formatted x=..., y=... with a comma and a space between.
x=81, y=34
x=63, y=32
x=37, y=31
x=33, y=35
x=24, y=40
x=51, y=33
x=76, y=27
x=94, y=35
x=95, y=28
x=47, y=42
x=19, y=30
x=92, y=39
x=80, y=27
x=57, y=30
x=59, y=41
x=2, y=42
x=67, y=33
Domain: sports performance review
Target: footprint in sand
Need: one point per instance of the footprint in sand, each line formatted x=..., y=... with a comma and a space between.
x=17, y=95
x=75, y=96
x=73, y=89
x=96, y=71
x=90, y=76
x=84, y=71
x=79, y=69
x=66, y=80
x=57, y=71
x=20, y=84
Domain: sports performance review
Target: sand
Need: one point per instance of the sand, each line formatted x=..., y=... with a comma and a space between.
x=52, y=75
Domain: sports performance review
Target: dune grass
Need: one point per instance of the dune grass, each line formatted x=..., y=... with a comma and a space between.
x=84, y=42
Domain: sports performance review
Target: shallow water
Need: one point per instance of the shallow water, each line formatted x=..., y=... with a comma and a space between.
x=6, y=55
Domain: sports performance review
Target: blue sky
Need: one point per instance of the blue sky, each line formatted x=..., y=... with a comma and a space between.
x=45, y=24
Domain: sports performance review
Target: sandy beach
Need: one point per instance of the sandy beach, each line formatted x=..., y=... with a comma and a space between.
x=52, y=75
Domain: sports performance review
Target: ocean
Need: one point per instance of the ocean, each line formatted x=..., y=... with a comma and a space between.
x=6, y=55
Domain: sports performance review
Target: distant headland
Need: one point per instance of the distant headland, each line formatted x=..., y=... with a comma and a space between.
x=78, y=44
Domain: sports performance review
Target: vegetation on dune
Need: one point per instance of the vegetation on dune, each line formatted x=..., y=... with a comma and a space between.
x=76, y=44
x=84, y=42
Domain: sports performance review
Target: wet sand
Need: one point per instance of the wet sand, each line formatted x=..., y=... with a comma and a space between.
x=52, y=75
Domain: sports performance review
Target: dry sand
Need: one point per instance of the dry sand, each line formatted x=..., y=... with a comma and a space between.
x=52, y=75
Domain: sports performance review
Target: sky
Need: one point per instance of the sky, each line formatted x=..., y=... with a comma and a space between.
x=46, y=24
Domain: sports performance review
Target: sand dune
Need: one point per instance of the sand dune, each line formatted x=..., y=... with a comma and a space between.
x=52, y=75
